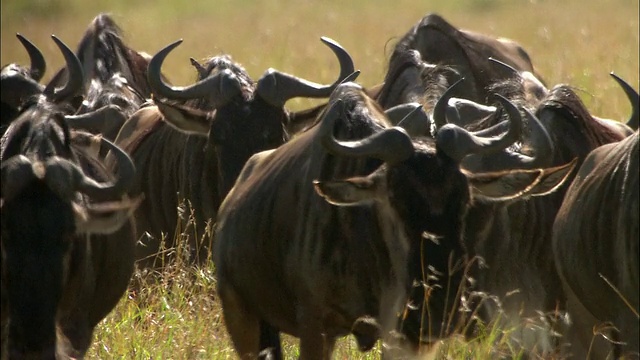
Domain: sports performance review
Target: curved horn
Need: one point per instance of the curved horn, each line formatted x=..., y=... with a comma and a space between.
x=457, y=142
x=540, y=142
x=16, y=173
x=277, y=88
x=505, y=65
x=106, y=218
x=126, y=173
x=463, y=112
x=65, y=177
x=391, y=145
x=75, y=74
x=38, y=64
x=397, y=113
x=202, y=72
x=219, y=88
x=439, y=114
x=634, y=98
x=413, y=118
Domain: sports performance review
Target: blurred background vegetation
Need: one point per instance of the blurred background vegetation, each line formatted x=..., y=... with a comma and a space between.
x=570, y=41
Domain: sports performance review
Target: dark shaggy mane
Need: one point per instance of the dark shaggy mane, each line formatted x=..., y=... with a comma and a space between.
x=37, y=112
x=564, y=100
x=402, y=58
x=433, y=78
x=511, y=89
x=102, y=47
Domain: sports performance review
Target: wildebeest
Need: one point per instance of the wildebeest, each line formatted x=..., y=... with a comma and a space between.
x=531, y=91
x=67, y=244
x=216, y=125
x=115, y=79
x=435, y=42
x=514, y=240
x=20, y=83
x=285, y=255
x=595, y=243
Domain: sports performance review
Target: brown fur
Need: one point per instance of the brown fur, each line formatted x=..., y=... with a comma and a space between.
x=595, y=241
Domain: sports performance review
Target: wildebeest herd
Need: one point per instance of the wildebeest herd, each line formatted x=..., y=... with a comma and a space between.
x=460, y=190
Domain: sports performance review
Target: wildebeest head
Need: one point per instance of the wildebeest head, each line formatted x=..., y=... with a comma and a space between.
x=240, y=117
x=421, y=181
x=573, y=130
x=19, y=83
x=434, y=41
x=115, y=81
x=45, y=209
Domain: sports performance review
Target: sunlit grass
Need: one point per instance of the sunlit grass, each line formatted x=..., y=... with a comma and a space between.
x=175, y=314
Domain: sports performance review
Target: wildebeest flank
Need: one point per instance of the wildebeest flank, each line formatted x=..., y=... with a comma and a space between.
x=595, y=243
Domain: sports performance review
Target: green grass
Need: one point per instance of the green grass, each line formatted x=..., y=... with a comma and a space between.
x=176, y=315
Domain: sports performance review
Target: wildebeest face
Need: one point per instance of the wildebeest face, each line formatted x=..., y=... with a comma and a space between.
x=241, y=130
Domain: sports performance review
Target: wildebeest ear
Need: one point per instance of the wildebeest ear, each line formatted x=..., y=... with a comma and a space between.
x=504, y=185
x=552, y=178
x=352, y=191
x=187, y=120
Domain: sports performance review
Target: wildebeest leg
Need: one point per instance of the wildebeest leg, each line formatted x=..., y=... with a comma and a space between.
x=243, y=326
x=270, y=348
x=314, y=342
x=77, y=334
x=580, y=334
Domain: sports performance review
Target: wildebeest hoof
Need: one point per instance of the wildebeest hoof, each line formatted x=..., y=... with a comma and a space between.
x=366, y=331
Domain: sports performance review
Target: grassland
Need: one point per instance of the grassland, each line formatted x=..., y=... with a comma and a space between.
x=570, y=41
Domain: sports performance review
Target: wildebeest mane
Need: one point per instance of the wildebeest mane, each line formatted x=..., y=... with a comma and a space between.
x=24, y=126
x=109, y=51
x=511, y=89
x=564, y=101
x=434, y=78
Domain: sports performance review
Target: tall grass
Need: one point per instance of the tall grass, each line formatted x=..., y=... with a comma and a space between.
x=175, y=314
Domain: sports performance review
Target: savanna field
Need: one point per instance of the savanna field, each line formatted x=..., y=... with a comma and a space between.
x=176, y=315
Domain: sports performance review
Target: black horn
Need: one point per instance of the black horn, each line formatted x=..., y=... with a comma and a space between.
x=505, y=65
x=457, y=142
x=219, y=88
x=75, y=74
x=38, y=64
x=391, y=145
x=65, y=177
x=634, y=98
x=538, y=140
x=439, y=113
x=411, y=117
x=277, y=88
